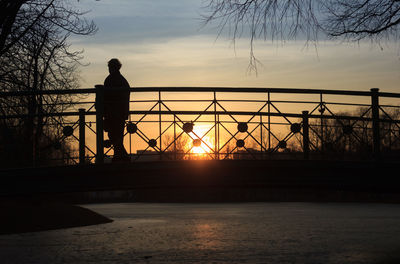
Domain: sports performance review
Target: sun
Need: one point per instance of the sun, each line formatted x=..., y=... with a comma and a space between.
x=203, y=145
x=198, y=150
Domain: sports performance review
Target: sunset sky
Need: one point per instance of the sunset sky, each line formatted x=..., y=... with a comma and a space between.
x=163, y=43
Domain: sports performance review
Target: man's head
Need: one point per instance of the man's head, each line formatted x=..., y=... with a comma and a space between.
x=114, y=65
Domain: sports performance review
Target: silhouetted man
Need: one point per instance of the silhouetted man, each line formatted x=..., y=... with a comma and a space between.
x=116, y=108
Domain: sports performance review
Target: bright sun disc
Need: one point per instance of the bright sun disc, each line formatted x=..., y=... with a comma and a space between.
x=203, y=145
x=198, y=150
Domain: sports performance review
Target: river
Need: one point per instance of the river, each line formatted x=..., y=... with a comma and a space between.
x=219, y=233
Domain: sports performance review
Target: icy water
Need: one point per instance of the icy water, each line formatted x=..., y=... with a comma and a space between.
x=219, y=233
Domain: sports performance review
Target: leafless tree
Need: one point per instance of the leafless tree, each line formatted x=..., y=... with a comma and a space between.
x=263, y=19
x=288, y=19
x=9, y=9
x=21, y=16
x=40, y=59
x=176, y=147
x=339, y=136
x=360, y=19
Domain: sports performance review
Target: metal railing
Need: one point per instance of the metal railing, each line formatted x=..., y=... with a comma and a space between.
x=254, y=123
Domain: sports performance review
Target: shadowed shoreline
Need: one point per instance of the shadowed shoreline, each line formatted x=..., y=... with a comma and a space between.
x=23, y=216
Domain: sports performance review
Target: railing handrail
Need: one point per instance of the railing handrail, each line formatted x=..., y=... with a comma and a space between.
x=210, y=112
x=207, y=89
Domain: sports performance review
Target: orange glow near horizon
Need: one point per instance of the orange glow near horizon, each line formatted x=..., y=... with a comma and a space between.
x=198, y=150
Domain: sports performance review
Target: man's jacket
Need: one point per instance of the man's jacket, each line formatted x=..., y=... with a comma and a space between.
x=116, y=97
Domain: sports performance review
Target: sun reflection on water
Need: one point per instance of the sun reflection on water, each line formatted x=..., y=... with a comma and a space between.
x=207, y=235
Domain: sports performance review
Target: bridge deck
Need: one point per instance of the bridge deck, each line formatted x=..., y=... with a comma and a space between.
x=183, y=176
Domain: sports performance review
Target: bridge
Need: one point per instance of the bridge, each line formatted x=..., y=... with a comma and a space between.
x=285, y=137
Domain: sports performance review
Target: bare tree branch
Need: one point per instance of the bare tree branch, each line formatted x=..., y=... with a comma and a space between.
x=351, y=20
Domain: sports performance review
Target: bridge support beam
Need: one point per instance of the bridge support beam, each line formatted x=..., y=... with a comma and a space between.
x=306, y=136
x=99, y=124
x=375, y=123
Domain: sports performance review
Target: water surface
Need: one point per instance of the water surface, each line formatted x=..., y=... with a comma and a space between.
x=219, y=233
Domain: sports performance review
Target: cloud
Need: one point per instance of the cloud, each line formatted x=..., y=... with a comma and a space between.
x=153, y=8
x=142, y=20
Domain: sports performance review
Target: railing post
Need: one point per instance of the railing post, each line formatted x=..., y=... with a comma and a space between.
x=99, y=124
x=215, y=127
x=218, y=136
x=160, y=123
x=269, y=125
x=82, y=140
x=175, y=156
x=261, y=137
x=375, y=123
x=306, y=138
x=321, y=110
x=130, y=139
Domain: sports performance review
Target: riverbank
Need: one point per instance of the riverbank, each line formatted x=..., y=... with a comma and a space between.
x=22, y=215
